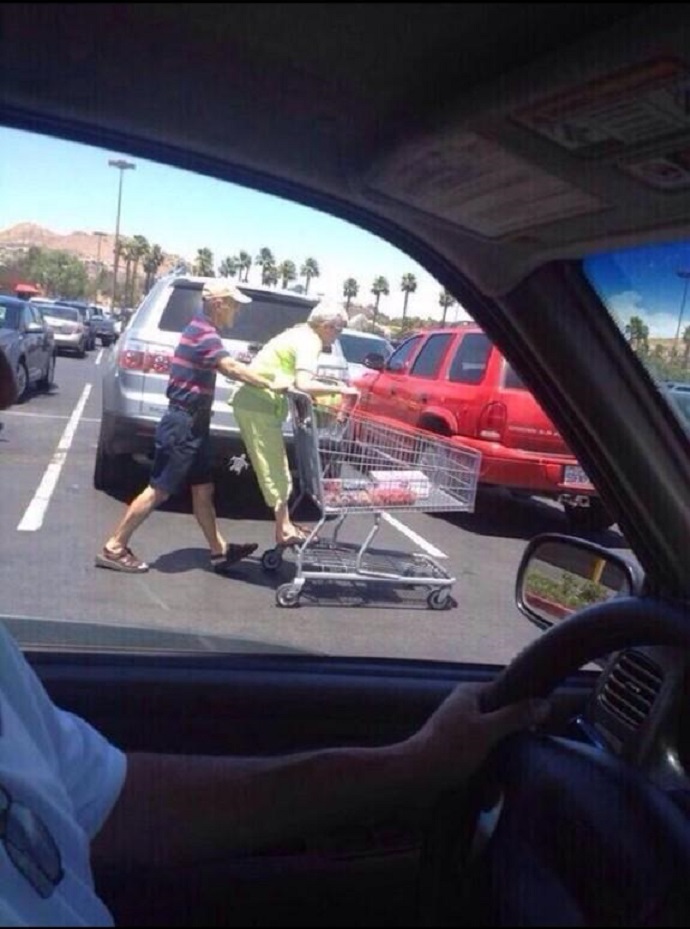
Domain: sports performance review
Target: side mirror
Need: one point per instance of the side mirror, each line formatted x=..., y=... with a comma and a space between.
x=375, y=361
x=34, y=327
x=559, y=575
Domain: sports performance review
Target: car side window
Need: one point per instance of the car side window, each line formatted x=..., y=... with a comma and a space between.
x=512, y=379
x=471, y=358
x=35, y=316
x=429, y=359
x=402, y=355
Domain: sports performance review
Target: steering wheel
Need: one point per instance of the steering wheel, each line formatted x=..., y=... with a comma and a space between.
x=554, y=857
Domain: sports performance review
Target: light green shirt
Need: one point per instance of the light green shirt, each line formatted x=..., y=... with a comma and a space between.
x=295, y=349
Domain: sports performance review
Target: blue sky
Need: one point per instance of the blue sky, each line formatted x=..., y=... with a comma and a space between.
x=68, y=187
x=645, y=282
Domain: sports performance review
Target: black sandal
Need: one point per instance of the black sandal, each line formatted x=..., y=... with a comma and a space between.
x=233, y=553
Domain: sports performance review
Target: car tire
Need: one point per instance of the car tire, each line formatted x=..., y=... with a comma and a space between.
x=81, y=351
x=592, y=518
x=48, y=378
x=109, y=470
x=22, y=378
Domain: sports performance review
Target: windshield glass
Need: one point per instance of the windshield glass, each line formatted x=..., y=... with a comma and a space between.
x=646, y=292
x=356, y=348
x=77, y=454
x=62, y=312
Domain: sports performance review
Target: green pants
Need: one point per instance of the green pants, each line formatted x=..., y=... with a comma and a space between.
x=260, y=421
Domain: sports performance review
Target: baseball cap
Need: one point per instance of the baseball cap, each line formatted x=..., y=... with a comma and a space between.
x=223, y=287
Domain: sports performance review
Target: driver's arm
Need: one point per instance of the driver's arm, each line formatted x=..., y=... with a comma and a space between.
x=178, y=809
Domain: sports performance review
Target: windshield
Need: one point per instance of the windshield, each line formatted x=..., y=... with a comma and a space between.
x=356, y=348
x=62, y=312
x=76, y=455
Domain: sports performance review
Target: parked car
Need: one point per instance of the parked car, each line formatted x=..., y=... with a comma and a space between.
x=534, y=158
x=86, y=312
x=135, y=376
x=103, y=328
x=71, y=334
x=455, y=382
x=678, y=393
x=28, y=342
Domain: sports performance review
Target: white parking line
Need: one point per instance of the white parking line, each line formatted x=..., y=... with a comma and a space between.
x=98, y=357
x=86, y=419
x=414, y=536
x=36, y=510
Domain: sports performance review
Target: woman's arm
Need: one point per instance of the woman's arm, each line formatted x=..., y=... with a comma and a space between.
x=316, y=386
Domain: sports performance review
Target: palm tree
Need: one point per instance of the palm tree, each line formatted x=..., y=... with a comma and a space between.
x=128, y=250
x=244, y=263
x=152, y=263
x=140, y=249
x=445, y=300
x=380, y=286
x=637, y=334
x=310, y=269
x=264, y=258
x=408, y=285
x=269, y=275
x=287, y=272
x=203, y=266
x=350, y=290
x=228, y=267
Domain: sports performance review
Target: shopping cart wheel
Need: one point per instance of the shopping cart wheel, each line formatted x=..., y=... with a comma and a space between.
x=440, y=599
x=287, y=595
x=272, y=559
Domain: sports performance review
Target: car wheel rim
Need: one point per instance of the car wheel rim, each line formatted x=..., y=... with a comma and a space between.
x=21, y=380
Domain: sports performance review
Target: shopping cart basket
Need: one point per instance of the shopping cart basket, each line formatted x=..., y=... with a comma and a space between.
x=350, y=464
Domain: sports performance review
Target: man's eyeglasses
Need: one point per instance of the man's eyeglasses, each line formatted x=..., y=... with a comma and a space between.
x=29, y=845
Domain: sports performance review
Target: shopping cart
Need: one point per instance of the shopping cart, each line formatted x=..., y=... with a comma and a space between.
x=349, y=464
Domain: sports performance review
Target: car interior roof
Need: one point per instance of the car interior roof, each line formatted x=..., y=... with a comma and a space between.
x=347, y=78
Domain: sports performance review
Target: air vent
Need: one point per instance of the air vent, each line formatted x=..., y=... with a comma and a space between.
x=631, y=687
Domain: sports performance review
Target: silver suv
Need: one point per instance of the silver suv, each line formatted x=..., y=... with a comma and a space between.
x=135, y=375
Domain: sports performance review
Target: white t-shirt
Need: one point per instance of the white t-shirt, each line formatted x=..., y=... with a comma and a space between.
x=61, y=768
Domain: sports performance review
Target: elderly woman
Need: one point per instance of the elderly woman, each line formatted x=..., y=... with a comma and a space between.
x=260, y=413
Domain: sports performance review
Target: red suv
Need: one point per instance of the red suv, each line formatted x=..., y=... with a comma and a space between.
x=454, y=382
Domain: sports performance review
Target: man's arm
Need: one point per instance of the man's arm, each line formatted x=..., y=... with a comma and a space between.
x=178, y=809
x=237, y=370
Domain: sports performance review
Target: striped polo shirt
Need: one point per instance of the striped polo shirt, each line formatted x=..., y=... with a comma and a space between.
x=193, y=370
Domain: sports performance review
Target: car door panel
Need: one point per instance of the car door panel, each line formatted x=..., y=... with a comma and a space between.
x=213, y=704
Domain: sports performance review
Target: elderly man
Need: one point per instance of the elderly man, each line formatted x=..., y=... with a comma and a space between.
x=182, y=440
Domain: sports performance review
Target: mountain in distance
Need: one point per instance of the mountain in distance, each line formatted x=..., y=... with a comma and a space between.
x=85, y=245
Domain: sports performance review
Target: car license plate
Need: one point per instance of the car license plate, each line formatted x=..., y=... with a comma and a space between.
x=574, y=474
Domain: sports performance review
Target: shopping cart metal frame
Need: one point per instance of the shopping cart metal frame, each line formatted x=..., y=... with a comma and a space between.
x=351, y=464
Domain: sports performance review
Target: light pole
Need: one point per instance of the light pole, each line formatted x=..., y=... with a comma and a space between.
x=122, y=166
x=685, y=275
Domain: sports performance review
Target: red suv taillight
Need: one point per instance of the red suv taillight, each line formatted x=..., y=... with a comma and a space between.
x=148, y=359
x=492, y=422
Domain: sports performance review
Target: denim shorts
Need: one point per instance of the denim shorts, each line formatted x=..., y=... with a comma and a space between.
x=183, y=450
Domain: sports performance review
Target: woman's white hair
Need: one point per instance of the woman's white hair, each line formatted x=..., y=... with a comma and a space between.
x=328, y=313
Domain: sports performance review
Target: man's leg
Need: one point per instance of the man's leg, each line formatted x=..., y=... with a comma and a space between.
x=205, y=512
x=138, y=510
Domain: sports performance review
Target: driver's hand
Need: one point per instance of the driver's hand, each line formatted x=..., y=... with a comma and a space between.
x=458, y=736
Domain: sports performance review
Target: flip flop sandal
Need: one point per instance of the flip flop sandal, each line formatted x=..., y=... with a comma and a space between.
x=233, y=553
x=125, y=561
